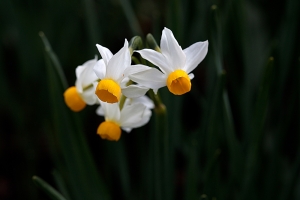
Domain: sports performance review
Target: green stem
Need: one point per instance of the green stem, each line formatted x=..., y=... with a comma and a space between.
x=90, y=86
x=123, y=98
x=162, y=153
x=135, y=60
x=122, y=101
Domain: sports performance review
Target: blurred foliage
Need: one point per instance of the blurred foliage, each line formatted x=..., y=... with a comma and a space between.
x=234, y=136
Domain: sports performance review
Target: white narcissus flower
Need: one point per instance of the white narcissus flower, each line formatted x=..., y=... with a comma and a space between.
x=111, y=72
x=130, y=116
x=85, y=78
x=174, y=63
x=76, y=97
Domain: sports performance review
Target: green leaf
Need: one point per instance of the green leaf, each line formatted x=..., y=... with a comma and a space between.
x=61, y=183
x=132, y=20
x=77, y=166
x=54, y=60
x=257, y=129
x=53, y=194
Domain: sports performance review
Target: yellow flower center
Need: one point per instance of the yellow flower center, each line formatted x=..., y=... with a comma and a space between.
x=109, y=130
x=108, y=91
x=179, y=82
x=73, y=99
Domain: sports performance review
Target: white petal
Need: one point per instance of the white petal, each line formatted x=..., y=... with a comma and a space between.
x=100, y=69
x=133, y=116
x=85, y=74
x=89, y=96
x=135, y=69
x=145, y=100
x=78, y=85
x=134, y=91
x=95, y=84
x=141, y=122
x=105, y=53
x=79, y=70
x=100, y=111
x=171, y=50
x=155, y=90
x=87, y=64
x=151, y=78
x=157, y=59
x=127, y=129
x=131, y=113
x=145, y=118
x=191, y=75
x=124, y=82
x=88, y=76
x=111, y=111
x=118, y=63
x=194, y=55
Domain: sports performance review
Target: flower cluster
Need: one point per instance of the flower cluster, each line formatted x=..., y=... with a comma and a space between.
x=119, y=87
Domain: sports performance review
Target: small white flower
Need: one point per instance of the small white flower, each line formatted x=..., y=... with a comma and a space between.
x=85, y=78
x=111, y=72
x=76, y=97
x=174, y=63
x=131, y=116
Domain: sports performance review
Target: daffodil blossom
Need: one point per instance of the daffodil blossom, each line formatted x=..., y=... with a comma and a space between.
x=174, y=63
x=111, y=72
x=76, y=97
x=132, y=115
